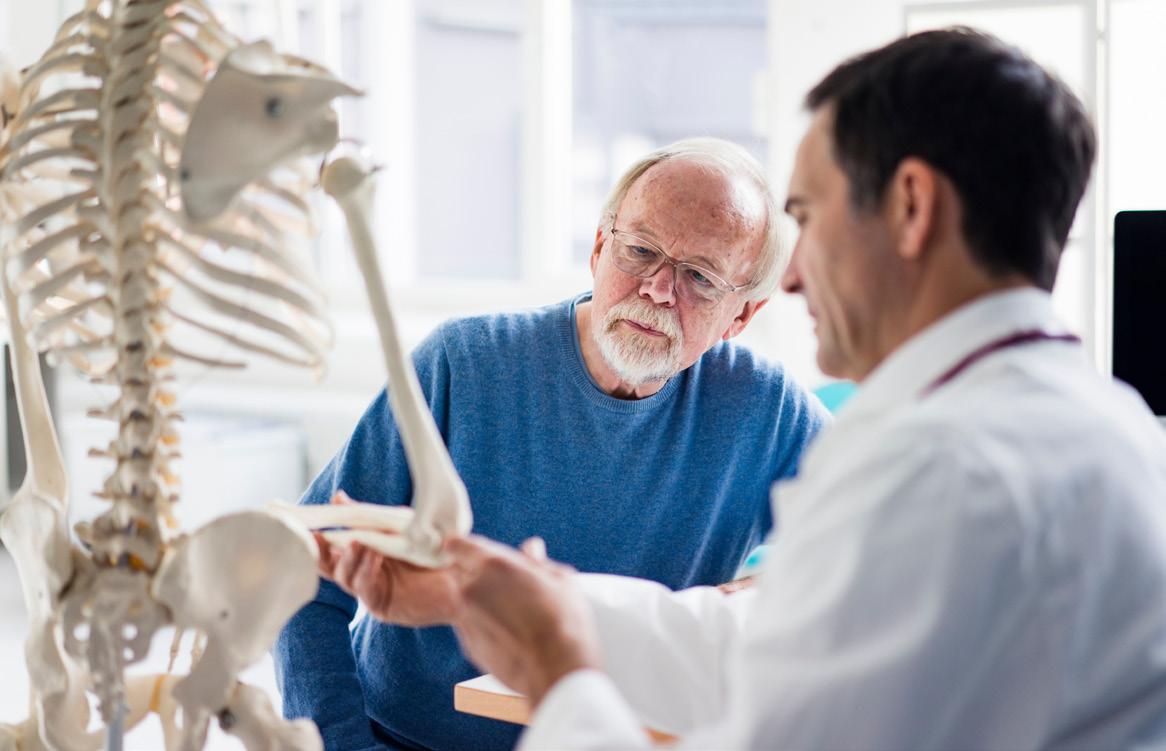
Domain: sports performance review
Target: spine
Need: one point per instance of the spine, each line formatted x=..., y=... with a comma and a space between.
x=109, y=614
x=133, y=531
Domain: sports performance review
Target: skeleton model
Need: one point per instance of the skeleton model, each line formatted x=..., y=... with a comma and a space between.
x=151, y=180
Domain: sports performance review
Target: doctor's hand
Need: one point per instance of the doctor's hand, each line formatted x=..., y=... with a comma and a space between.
x=522, y=617
x=391, y=590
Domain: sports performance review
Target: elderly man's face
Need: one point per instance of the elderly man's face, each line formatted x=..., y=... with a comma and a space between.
x=695, y=214
x=842, y=260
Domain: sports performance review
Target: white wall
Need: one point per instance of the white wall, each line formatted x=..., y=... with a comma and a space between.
x=30, y=28
x=807, y=38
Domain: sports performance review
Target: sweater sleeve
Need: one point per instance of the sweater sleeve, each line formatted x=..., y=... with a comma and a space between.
x=316, y=672
x=316, y=669
x=800, y=417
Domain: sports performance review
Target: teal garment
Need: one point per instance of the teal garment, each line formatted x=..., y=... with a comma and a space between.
x=673, y=487
x=834, y=395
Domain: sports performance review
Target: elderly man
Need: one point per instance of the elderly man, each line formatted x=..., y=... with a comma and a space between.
x=974, y=556
x=620, y=426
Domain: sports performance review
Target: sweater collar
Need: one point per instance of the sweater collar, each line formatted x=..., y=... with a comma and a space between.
x=573, y=354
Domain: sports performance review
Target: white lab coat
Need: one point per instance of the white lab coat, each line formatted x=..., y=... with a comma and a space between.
x=980, y=567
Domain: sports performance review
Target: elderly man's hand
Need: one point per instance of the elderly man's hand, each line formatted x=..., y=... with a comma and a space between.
x=393, y=591
x=522, y=618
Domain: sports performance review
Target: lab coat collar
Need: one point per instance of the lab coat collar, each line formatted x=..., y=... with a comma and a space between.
x=916, y=364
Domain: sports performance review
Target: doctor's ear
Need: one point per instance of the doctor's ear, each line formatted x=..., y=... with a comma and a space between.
x=912, y=206
x=741, y=320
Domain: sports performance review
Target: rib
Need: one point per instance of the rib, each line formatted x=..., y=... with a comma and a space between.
x=52, y=286
x=70, y=61
x=210, y=362
x=74, y=100
x=55, y=154
x=24, y=137
x=252, y=282
x=236, y=340
x=74, y=311
x=41, y=249
x=219, y=304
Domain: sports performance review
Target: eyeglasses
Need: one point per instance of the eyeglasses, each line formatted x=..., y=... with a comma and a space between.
x=642, y=259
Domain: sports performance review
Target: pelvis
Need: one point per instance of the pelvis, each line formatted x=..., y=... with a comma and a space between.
x=237, y=580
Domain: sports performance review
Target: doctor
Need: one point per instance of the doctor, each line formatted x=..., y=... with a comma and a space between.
x=974, y=556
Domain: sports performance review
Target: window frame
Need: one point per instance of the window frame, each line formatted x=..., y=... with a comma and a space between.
x=1094, y=236
x=544, y=178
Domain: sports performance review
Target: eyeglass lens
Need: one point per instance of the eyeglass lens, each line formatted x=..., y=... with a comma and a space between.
x=690, y=282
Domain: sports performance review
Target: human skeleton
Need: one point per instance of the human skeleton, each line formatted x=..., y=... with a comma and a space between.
x=152, y=177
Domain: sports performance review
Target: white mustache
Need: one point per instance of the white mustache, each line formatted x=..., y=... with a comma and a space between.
x=644, y=313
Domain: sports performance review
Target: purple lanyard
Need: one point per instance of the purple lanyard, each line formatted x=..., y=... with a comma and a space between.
x=1012, y=340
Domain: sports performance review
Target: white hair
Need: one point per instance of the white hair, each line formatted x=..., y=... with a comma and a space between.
x=732, y=160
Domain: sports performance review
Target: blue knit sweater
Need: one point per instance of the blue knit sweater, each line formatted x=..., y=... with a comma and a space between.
x=673, y=487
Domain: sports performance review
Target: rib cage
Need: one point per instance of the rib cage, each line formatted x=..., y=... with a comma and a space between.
x=122, y=141
x=110, y=274
x=119, y=91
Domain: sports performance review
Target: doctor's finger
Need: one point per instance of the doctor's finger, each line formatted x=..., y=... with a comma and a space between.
x=535, y=548
x=369, y=576
x=349, y=561
x=471, y=551
x=483, y=639
x=507, y=591
x=326, y=556
x=470, y=642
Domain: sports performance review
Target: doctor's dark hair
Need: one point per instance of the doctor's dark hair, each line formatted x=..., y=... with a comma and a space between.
x=1013, y=139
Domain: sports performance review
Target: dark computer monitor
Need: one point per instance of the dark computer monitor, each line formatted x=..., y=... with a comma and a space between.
x=1139, y=304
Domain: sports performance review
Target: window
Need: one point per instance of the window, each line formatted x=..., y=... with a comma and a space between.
x=468, y=127
x=649, y=73
x=1110, y=53
x=1058, y=35
x=1137, y=106
x=503, y=123
x=446, y=86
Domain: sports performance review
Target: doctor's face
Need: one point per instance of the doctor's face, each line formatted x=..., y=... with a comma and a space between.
x=842, y=261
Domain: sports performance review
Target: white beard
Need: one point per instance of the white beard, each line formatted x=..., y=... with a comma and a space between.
x=638, y=358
